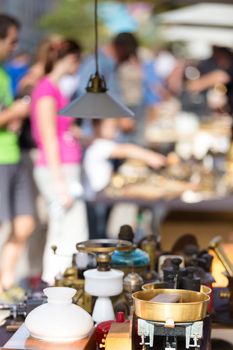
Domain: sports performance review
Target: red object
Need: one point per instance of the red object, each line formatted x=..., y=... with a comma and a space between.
x=120, y=317
x=103, y=328
x=34, y=282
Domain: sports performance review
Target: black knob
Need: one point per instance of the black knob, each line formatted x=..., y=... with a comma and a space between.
x=176, y=264
x=191, y=282
x=170, y=281
x=191, y=270
x=126, y=233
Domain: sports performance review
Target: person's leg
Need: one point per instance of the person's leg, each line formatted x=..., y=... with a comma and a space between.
x=75, y=224
x=66, y=227
x=43, y=180
x=22, y=227
x=36, y=242
x=92, y=220
x=21, y=211
x=6, y=176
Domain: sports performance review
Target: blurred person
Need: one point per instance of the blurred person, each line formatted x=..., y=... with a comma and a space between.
x=17, y=68
x=218, y=79
x=221, y=58
x=208, y=85
x=174, y=80
x=111, y=55
x=118, y=50
x=165, y=62
x=57, y=168
x=47, y=47
x=98, y=169
x=142, y=88
x=97, y=159
x=16, y=204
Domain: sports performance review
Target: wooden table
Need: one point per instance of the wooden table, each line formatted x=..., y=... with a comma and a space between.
x=21, y=340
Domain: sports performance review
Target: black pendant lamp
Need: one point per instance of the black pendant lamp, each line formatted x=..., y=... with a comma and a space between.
x=97, y=102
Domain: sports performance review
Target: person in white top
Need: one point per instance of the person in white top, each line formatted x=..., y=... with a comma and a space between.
x=98, y=170
x=97, y=166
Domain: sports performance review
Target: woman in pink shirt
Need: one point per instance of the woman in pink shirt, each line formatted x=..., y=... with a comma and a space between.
x=57, y=167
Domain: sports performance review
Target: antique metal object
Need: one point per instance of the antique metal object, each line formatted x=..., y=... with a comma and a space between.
x=15, y=310
x=70, y=278
x=103, y=282
x=131, y=284
x=103, y=248
x=192, y=306
x=135, y=260
x=153, y=285
x=229, y=294
x=215, y=245
x=158, y=285
x=192, y=332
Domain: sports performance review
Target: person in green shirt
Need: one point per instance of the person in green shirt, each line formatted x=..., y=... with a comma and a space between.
x=16, y=204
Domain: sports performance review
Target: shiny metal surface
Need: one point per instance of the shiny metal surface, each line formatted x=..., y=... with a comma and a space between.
x=192, y=306
x=215, y=245
x=103, y=245
x=158, y=285
x=153, y=285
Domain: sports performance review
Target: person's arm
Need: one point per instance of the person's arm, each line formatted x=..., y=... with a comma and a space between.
x=27, y=83
x=47, y=114
x=207, y=81
x=153, y=159
x=78, y=133
x=18, y=110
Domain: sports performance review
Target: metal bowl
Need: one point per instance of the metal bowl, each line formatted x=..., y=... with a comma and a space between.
x=153, y=285
x=158, y=285
x=192, y=307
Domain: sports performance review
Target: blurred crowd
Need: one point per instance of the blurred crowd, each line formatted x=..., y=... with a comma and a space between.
x=67, y=161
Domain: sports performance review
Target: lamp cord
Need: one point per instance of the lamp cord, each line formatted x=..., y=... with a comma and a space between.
x=96, y=39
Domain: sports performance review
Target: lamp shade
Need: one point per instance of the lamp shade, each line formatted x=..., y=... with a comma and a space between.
x=96, y=105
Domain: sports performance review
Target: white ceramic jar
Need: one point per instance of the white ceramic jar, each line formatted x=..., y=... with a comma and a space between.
x=103, y=283
x=59, y=320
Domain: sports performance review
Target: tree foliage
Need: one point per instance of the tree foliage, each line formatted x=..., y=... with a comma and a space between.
x=73, y=19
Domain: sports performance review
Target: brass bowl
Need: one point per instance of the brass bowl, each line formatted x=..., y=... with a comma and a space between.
x=158, y=285
x=153, y=285
x=192, y=307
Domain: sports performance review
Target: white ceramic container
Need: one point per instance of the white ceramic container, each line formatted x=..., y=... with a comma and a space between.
x=103, y=284
x=59, y=320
